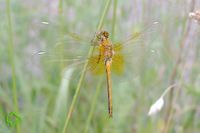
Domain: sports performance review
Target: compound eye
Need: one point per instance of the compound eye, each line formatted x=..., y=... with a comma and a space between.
x=106, y=34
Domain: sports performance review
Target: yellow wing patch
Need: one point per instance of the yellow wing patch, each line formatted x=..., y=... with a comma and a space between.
x=96, y=65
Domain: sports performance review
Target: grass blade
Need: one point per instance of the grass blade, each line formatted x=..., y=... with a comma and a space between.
x=84, y=70
x=12, y=61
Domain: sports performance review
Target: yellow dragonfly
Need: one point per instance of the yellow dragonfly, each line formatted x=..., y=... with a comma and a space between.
x=110, y=57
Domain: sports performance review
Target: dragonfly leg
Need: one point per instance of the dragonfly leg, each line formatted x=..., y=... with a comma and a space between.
x=99, y=58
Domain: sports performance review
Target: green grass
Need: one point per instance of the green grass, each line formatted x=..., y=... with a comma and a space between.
x=100, y=25
x=51, y=97
x=12, y=62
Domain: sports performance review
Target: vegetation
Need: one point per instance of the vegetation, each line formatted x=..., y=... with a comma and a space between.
x=45, y=83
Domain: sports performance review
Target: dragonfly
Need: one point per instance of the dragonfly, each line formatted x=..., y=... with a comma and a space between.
x=105, y=57
x=109, y=57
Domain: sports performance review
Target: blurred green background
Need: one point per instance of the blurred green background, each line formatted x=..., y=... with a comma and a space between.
x=38, y=83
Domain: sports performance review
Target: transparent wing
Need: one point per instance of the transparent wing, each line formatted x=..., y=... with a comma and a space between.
x=63, y=49
x=140, y=47
x=145, y=35
x=68, y=49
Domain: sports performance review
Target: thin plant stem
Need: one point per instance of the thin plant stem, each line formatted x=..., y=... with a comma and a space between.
x=60, y=7
x=61, y=47
x=71, y=108
x=114, y=19
x=100, y=82
x=168, y=89
x=12, y=61
x=106, y=7
x=169, y=112
x=94, y=99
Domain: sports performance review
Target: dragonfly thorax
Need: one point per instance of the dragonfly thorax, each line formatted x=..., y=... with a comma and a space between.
x=107, y=50
x=105, y=45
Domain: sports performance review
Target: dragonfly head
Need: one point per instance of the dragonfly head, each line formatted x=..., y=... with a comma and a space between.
x=105, y=34
x=100, y=36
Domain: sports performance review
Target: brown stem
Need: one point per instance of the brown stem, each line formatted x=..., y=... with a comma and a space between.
x=171, y=98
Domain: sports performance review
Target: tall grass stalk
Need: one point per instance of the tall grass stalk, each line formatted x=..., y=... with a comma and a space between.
x=114, y=19
x=105, y=10
x=61, y=21
x=60, y=7
x=101, y=79
x=106, y=7
x=94, y=99
x=12, y=61
x=179, y=60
